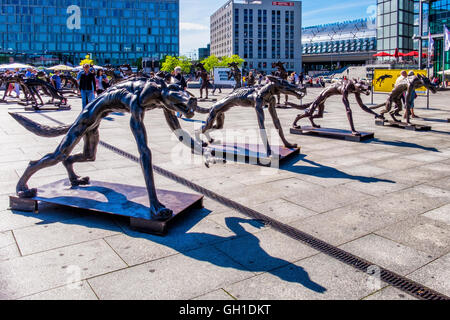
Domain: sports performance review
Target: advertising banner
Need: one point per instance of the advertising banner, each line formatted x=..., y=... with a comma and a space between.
x=221, y=76
x=384, y=80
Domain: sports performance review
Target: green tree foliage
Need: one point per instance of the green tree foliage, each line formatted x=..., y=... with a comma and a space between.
x=213, y=61
x=170, y=63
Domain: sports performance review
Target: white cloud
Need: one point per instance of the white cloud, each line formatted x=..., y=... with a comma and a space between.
x=193, y=26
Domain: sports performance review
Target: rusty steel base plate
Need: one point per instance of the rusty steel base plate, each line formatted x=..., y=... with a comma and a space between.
x=48, y=107
x=403, y=125
x=252, y=153
x=112, y=198
x=333, y=133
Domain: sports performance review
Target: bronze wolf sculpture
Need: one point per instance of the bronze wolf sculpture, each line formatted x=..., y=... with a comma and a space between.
x=135, y=97
x=255, y=98
x=344, y=88
x=407, y=86
x=236, y=74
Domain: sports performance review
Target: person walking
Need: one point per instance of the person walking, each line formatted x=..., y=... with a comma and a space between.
x=215, y=86
x=101, y=80
x=86, y=80
x=413, y=97
x=180, y=78
x=251, y=79
x=56, y=80
x=16, y=84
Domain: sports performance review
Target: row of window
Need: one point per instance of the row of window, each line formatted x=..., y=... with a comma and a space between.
x=354, y=45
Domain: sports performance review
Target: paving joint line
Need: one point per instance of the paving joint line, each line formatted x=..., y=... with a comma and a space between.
x=398, y=281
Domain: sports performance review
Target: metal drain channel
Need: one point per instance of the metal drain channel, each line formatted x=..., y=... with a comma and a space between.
x=400, y=282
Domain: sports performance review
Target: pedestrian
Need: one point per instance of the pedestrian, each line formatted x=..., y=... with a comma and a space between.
x=86, y=80
x=251, y=79
x=180, y=78
x=215, y=86
x=101, y=81
x=56, y=80
x=413, y=97
x=29, y=73
x=16, y=85
x=301, y=78
x=260, y=79
x=292, y=78
x=403, y=76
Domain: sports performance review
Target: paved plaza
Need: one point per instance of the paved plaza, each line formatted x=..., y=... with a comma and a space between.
x=386, y=200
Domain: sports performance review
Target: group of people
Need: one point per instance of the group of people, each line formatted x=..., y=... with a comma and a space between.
x=91, y=83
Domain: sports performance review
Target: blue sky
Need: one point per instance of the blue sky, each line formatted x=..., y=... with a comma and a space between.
x=194, y=17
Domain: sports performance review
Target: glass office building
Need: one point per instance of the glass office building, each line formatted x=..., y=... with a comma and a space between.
x=113, y=31
x=395, y=25
x=439, y=15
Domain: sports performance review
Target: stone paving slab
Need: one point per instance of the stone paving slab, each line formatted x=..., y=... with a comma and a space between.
x=435, y=275
x=261, y=252
x=318, y=277
x=45, y=237
x=183, y=276
x=390, y=293
x=8, y=246
x=217, y=295
x=43, y=271
x=192, y=231
x=74, y=291
x=441, y=214
x=387, y=254
x=13, y=220
x=421, y=233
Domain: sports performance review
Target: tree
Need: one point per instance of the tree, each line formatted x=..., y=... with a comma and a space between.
x=170, y=63
x=234, y=58
x=213, y=61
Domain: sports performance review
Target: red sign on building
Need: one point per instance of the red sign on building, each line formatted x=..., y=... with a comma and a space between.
x=284, y=4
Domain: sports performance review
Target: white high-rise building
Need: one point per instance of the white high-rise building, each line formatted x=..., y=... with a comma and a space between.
x=259, y=31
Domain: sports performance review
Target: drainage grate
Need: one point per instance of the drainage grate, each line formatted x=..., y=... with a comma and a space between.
x=400, y=282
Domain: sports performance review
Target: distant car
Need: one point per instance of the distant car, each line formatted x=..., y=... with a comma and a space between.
x=134, y=69
x=327, y=79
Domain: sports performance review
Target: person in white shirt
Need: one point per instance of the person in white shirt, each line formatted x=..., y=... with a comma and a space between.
x=403, y=76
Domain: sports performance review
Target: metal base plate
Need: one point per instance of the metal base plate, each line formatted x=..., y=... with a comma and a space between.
x=334, y=133
x=207, y=99
x=112, y=198
x=403, y=125
x=48, y=108
x=252, y=153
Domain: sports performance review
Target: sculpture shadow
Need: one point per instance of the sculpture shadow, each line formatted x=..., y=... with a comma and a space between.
x=322, y=171
x=440, y=132
x=401, y=144
x=228, y=253
x=435, y=120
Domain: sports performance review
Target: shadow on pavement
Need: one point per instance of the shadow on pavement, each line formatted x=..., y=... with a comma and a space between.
x=401, y=144
x=180, y=239
x=322, y=171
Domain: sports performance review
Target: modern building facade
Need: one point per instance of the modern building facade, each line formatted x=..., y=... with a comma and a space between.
x=259, y=31
x=399, y=21
x=396, y=22
x=438, y=16
x=336, y=45
x=112, y=31
x=204, y=53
